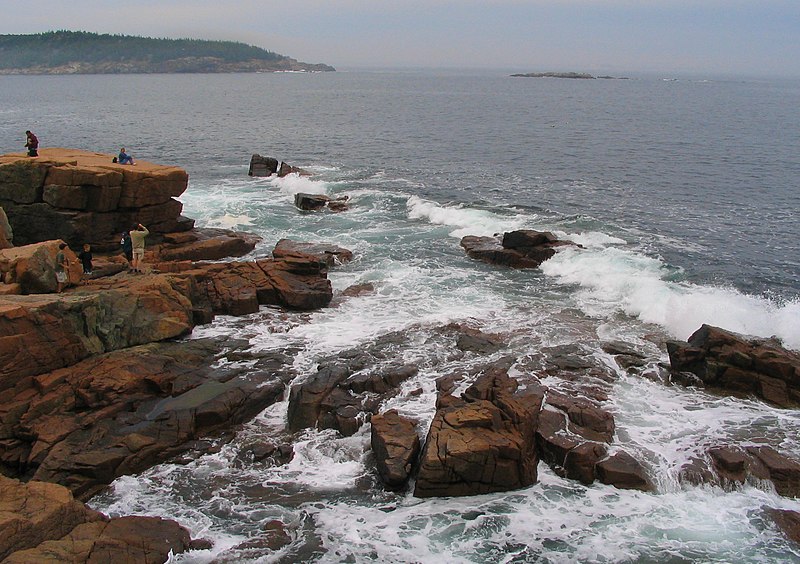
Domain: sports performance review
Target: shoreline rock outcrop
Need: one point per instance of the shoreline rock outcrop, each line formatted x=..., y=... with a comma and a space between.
x=83, y=197
x=42, y=522
x=741, y=365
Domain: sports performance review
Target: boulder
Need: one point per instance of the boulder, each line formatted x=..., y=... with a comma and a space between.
x=35, y=512
x=341, y=397
x=287, y=169
x=788, y=522
x=623, y=471
x=738, y=364
x=203, y=244
x=310, y=202
x=262, y=166
x=517, y=249
x=314, y=202
x=737, y=465
x=395, y=446
x=482, y=442
x=123, y=540
x=33, y=267
x=6, y=233
x=327, y=253
x=49, y=331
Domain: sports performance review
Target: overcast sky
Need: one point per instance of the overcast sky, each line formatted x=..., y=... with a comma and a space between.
x=692, y=36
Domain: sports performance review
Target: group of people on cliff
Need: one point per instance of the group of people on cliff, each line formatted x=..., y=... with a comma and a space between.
x=133, y=243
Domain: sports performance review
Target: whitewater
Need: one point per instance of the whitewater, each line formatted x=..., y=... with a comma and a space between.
x=679, y=225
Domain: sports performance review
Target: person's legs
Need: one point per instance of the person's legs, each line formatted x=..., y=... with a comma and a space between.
x=138, y=255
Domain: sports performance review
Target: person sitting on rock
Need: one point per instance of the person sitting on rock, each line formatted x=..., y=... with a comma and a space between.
x=138, y=234
x=32, y=144
x=62, y=267
x=125, y=158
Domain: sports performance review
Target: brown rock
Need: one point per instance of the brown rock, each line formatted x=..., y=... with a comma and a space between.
x=262, y=166
x=82, y=197
x=739, y=364
x=33, y=267
x=737, y=465
x=41, y=333
x=326, y=253
x=6, y=233
x=517, y=249
x=124, y=540
x=395, y=445
x=35, y=512
x=581, y=461
x=788, y=522
x=119, y=413
x=483, y=442
x=623, y=471
x=287, y=169
x=204, y=244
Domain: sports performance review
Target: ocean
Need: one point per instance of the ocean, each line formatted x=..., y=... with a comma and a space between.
x=683, y=192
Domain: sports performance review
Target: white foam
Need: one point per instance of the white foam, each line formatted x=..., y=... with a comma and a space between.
x=292, y=184
x=324, y=460
x=229, y=221
x=467, y=221
x=613, y=279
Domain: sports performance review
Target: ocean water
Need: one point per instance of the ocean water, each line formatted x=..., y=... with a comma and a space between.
x=683, y=192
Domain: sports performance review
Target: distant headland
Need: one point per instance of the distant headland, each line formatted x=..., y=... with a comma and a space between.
x=80, y=52
x=564, y=75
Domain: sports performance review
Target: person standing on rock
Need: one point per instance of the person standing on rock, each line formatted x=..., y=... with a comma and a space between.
x=86, y=259
x=62, y=267
x=138, y=234
x=32, y=144
x=127, y=248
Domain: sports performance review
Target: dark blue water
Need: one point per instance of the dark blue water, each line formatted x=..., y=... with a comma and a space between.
x=710, y=165
x=683, y=194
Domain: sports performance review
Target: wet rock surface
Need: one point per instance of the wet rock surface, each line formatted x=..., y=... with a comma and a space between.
x=482, y=442
x=738, y=364
x=518, y=249
x=122, y=412
x=395, y=445
x=43, y=523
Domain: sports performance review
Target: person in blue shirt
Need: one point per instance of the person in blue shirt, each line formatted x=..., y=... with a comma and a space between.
x=125, y=158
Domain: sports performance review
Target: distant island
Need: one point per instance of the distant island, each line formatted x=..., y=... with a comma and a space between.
x=565, y=75
x=80, y=52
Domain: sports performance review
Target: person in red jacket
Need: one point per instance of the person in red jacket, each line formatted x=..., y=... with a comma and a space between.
x=32, y=144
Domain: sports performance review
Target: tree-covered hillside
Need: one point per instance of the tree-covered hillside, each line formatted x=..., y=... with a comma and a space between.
x=80, y=51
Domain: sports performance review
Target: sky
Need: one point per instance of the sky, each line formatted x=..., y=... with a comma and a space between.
x=733, y=37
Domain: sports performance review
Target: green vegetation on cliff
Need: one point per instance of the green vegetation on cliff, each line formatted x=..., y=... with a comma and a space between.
x=72, y=52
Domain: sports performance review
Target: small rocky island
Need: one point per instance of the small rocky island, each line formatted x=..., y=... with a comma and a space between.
x=580, y=75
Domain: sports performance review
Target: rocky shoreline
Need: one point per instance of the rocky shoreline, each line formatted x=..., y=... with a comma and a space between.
x=100, y=381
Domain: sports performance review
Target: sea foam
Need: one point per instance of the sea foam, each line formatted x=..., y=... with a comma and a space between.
x=613, y=279
x=466, y=221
